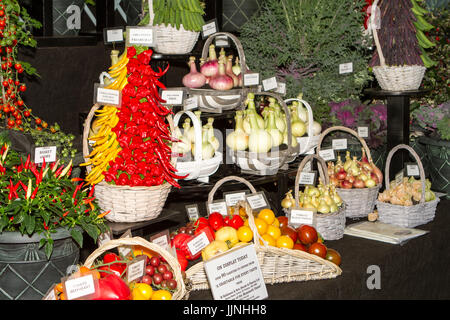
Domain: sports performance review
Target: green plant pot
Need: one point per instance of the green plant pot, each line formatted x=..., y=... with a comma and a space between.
x=25, y=271
x=438, y=155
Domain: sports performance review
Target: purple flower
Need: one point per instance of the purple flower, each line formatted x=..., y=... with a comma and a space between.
x=347, y=118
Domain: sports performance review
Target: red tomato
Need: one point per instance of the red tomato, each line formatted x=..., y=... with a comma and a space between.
x=216, y=221
x=333, y=256
x=307, y=234
x=318, y=249
x=289, y=231
x=299, y=246
x=283, y=221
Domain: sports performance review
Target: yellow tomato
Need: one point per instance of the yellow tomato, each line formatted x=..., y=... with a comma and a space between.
x=285, y=242
x=140, y=250
x=267, y=215
x=161, y=295
x=245, y=234
x=261, y=226
x=275, y=232
x=276, y=223
x=227, y=234
x=142, y=291
x=269, y=239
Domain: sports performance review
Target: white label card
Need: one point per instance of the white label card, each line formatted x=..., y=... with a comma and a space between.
x=198, y=243
x=301, y=216
x=346, y=68
x=173, y=97
x=251, y=79
x=257, y=201
x=307, y=178
x=136, y=268
x=222, y=41
x=270, y=84
x=47, y=153
x=339, y=144
x=209, y=28
x=162, y=239
x=79, y=287
x=412, y=170
x=218, y=206
x=307, y=167
x=192, y=212
x=142, y=36
x=124, y=250
x=327, y=154
x=232, y=198
x=281, y=88
x=108, y=97
x=190, y=103
x=114, y=35
x=236, y=275
x=363, y=132
x=399, y=177
x=104, y=237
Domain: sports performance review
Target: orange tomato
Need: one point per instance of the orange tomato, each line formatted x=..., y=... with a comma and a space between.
x=161, y=295
x=276, y=223
x=140, y=250
x=261, y=226
x=267, y=215
x=273, y=231
x=245, y=234
x=59, y=287
x=269, y=239
x=285, y=242
x=84, y=270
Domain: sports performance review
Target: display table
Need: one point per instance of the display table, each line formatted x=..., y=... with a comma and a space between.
x=416, y=270
x=397, y=121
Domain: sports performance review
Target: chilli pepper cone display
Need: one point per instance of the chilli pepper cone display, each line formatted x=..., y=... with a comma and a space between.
x=131, y=144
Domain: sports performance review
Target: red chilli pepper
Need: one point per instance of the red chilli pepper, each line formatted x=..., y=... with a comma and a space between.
x=33, y=195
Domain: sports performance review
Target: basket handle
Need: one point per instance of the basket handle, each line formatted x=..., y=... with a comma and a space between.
x=375, y=33
x=138, y=241
x=419, y=163
x=348, y=130
x=226, y=179
x=323, y=173
x=310, y=121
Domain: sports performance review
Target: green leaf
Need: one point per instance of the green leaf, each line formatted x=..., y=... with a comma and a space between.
x=48, y=247
x=30, y=223
x=77, y=235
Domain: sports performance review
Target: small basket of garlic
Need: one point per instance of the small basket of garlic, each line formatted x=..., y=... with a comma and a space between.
x=198, y=146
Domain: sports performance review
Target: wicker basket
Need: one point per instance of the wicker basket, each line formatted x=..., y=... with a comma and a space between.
x=199, y=168
x=330, y=225
x=277, y=264
x=306, y=144
x=395, y=78
x=211, y=100
x=180, y=292
x=170, y=40
x=359, y=202
x=267, y=163
x=126, y=203
x=407, y=216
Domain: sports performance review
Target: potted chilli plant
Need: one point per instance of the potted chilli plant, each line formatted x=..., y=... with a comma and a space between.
x=43, y=213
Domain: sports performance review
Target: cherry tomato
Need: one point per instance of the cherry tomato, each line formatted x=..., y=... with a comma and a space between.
x=172, y=284
x=155, y=261
x=261, y=226
x=333, y=256
x=162, y=268
x=285, y=242
x=38, y=121
x=18, y=66
x=307, y=234
x=299, y=246
x=167, y=275
x=146, y=279
x=267, y=215
x=289, y=231
x=26, y=113
x=157, y=278
x=245, y=234
x=283, y=221
x=318, y=249
x=22, y=88
x=150, y=270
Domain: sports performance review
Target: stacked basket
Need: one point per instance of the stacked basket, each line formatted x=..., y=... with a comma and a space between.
x=359, y=202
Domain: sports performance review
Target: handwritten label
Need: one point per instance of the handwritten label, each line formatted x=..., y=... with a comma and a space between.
x=218, y=206
x=198, y=243
x=307, y=178
x=173, y=97
x=222, y=41
x=108, y=96
x=125, y=250
x=399, y=177
x=192, y=212
x=161, y=239
x=190, y=103
x=301, y=216
x=47, y=153
x=209, y=28
x=363, y=132
x=257, y=201
x=270, y=84
x=233, y=197
x=79, y=287
x=136, y=268
x=281, y=88
x=142, y=36
x=104, y=237
x=236, y=275
x=113, y=35
x=251, y=79
x=327, y=154
x=346, y=68
x=339, y=144
x=412, y=170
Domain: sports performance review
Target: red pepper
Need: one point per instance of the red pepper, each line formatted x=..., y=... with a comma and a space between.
x=216, y=220
x=236, y=221
x=200, y=222
x=226, y=220
x=182, y=260
x=33, y=195
x=207, y=230
x=27, y=163
x=131, y=52
x=112, y=287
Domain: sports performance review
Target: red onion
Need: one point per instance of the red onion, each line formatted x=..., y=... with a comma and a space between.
x=193, y=79
x=229, y=71
x=211, y=67
x=222, y=81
